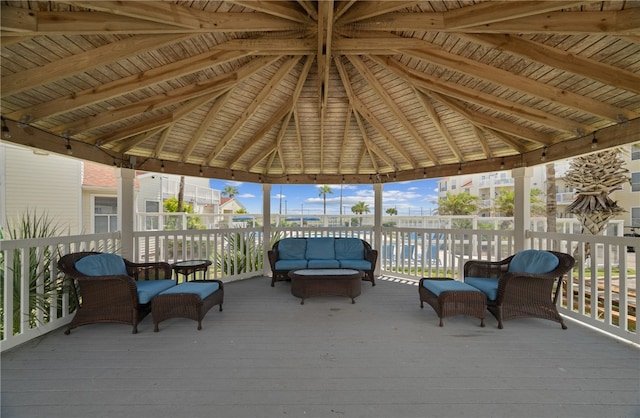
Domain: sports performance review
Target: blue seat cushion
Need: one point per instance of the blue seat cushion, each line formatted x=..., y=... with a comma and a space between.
x=148, y=289
x=323, y=264
x=355, y=264
x=533, y=262
x=291, y=264
x=104, y=264
x=438, y=286
x=292, y=249
x=349, y=249
x=320, y=249
x=203, y=289
x=488, y=286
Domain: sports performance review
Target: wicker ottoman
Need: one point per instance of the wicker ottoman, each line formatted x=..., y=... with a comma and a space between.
x=190, y=300
x=449, y=298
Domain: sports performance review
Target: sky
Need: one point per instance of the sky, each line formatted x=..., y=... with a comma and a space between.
x=409, y=198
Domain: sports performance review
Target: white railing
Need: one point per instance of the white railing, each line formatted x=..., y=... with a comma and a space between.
x=600, y=292
x=35, y=299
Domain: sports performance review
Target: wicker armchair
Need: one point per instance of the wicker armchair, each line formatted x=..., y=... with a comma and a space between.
x=112, y=298
x=512, y=294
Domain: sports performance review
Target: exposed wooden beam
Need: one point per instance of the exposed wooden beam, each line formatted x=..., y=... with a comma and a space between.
x=483, y=142
x=323, y=54
x=285, y=10
x=130, y=143
x=439, y=125
x=79, y=63
x=562, y=60
x=368, y=9
x=371, y=147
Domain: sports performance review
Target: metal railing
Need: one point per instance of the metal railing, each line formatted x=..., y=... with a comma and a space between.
x=600, y=291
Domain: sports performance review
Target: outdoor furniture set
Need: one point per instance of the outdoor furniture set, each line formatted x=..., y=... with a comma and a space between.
x=519, y=286
x=109, y=288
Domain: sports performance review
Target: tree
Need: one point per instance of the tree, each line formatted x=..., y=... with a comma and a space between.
x=360, y=208
x=230, y=191
x=594, y=177
x=392, y=211
x=323, y=191
x=551, y=207
x=458, y=204
x=504, y=202
x=171, y=205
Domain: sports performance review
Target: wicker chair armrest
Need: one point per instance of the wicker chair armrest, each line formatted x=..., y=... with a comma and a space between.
x=149, y=271
x=482, y=268
x=371, y=256
x=273, y=257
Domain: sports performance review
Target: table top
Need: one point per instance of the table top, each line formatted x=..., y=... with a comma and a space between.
x=192, y=263
x=327, y=272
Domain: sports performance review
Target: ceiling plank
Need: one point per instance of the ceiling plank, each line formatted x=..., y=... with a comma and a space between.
x=563, y=60
x=437, y=122
x=284, y=10
x=130, y=143
x=203, y=126
x=491, y=12
x=494, y=123
x=391, y=105
x=483, y=142
x=342, y=7
x=284, y=69
x=368, y=9
x=162, y=142
x=519, y=83
x=467, y=94
x=366, y=113
x=345, y=135
x=309, y=7
x=284, y=110
x=79, y=63
x=371, y=146
x=623, y=22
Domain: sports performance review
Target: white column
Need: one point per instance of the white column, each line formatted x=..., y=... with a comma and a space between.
x=266, y=227
x=126, y=210
x=522, y=205
x=377, y=223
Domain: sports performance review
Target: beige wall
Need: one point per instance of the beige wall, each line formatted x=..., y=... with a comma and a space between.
x=42, y=183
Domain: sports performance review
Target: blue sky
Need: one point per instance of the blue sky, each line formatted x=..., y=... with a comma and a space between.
x=409, y=198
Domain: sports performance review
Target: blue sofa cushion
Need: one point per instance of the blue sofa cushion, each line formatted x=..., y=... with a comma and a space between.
x=533, y=262
x=202, y=289
x=488, y=286
x=323, y=264
x=438, y=286
x=349, y=249
x=355, y=264
x=292, y=249
x=320, y=249
x=291, y=264
x=104, y=264
x=148, y=289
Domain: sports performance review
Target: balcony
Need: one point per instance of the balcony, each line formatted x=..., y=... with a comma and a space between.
x=267, y=355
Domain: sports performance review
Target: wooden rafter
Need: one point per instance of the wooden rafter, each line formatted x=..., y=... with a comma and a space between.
x=371, y=147
x=204, y=126
x=439, y=125
x=368, y=9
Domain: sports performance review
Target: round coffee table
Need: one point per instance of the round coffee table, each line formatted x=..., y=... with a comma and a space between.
x=326, y=282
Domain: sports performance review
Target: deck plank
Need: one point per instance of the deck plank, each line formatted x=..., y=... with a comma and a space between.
x=266, y=355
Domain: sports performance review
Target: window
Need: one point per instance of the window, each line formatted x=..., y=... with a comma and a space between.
x=635, y=217
x=152, y=222
x=635, y=182
x=635, y=152
x=105, y=216
x=443, y=186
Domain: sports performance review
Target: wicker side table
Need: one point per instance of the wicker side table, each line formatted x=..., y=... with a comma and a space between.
x=454, y=298
x=320, y=282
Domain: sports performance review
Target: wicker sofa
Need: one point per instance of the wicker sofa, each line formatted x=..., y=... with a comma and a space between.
x=109, y=288
x=322, y=252
x=526, y=284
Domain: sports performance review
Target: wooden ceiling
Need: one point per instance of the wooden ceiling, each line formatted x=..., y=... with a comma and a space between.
x=321, y=91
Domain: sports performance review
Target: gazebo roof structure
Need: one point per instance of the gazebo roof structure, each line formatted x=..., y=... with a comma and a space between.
x=320, y=91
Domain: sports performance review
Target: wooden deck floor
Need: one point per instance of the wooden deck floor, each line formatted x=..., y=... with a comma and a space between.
x=266, y=355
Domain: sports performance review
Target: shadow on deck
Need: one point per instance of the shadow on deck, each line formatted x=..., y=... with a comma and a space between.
x=266, y=355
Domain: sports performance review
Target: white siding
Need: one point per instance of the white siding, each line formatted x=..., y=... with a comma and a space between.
x=41, y=183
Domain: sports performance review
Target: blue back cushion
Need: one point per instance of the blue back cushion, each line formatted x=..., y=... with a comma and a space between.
x=349, y=249
x=533, y=262
x=488, y=286
x=320, y=248
x=104, y=264
x=292, y=248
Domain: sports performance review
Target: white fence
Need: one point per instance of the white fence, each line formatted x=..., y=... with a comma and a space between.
x=600, y=291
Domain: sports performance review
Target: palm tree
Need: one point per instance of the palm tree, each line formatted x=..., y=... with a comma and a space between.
x=230, y=191
x=360, y=208
x=504, y=202
x=392, y=211
x=551, y=207
x=323, y=191
x=595, y=177
x=458, y=204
